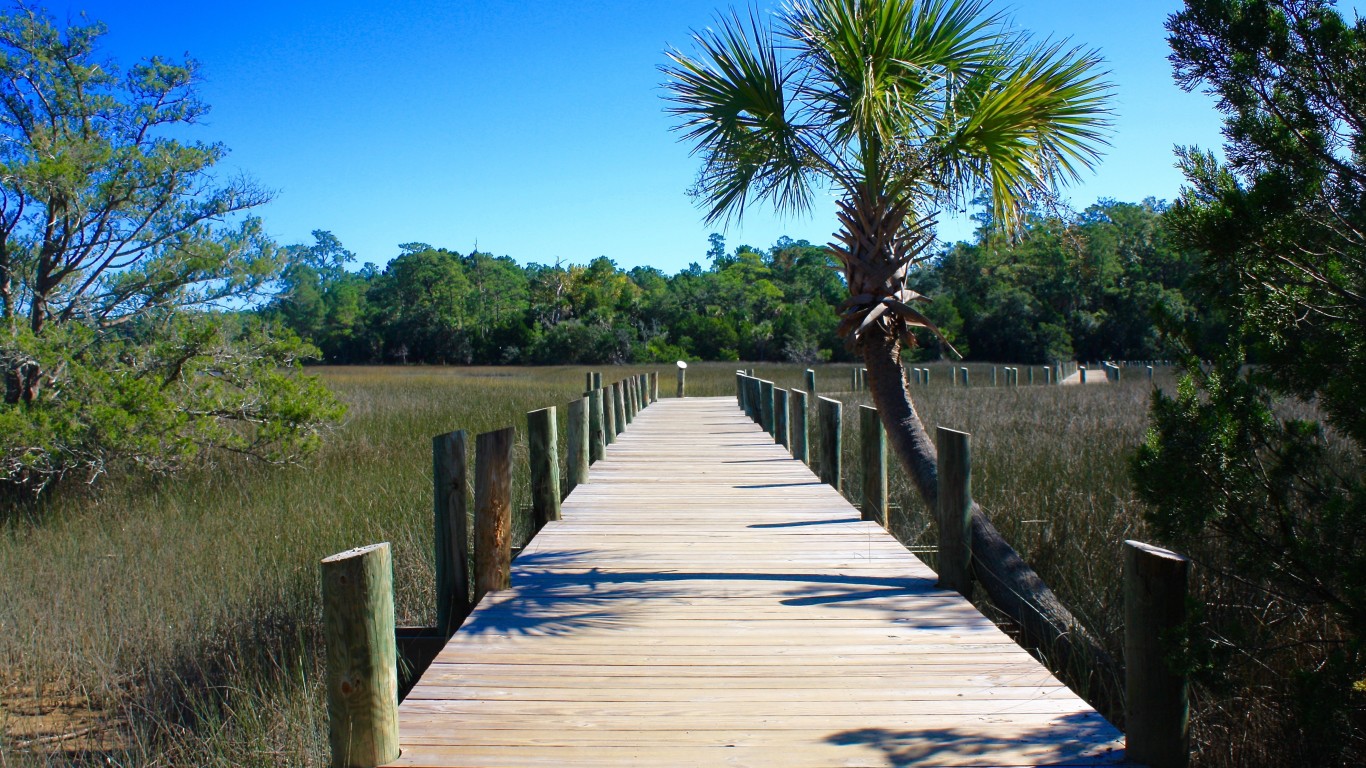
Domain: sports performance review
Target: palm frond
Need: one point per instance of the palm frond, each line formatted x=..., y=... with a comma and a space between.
x=734, y=106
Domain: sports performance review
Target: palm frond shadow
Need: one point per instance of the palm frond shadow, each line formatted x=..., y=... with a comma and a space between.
x=1067, y=739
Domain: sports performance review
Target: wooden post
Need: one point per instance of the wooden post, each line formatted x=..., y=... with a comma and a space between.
x=752, y=398
x=628, y=407
x=766, y=406
x=829, y=419
x=654, y=386
x=811, y=381
x=1150, y=374
x=1157, y=709
x=993, y=375
x=643, y=387
x=955, y=511
x=966, y=381
x=1031, y=375
x=588, y=381
x=597, y=437
x=740, y=390
x=1081, y=372
x=925, y=376
x=609, y=415
x=362, y=656
x=492, y=511
x=618, y=407
x=543, y=453
x=780, y=435
x=597, y=380
x=682, y=371
x=576, y=452
x=797, y=429
x=450, y=489
x=873, y=456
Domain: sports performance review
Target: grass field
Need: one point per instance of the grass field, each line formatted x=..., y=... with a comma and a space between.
x=175, y=621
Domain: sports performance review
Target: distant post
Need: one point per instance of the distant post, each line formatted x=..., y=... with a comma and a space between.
x=609, y=415
x=597, y=380
x=811, y=381
x=597, y=438
x=766, y=406
x=543, y=453
x=829, y=418
x=492, y=511
x=1156, y=703
x=362, y=656
x=450, y=489
x=588, y=381
x=682, y=375
x=780, y=417
x=618, y=407
x=873, y=456
x=798, y=428
x=576, y=452
x=955, y=511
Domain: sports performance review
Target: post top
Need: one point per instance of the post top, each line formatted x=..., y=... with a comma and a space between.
x=1149, y=549
x=356, y=552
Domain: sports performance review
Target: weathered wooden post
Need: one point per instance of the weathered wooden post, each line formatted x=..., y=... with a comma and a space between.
x=993, y=375
x=1157, y=708
x=450, y=489
x=618, y=407
x=853, y=379
x=1031, y=375
x=628, y=408
x=955, y=510
x=654, y=386
x=543, y=453
x=588, y=381
x=576, y=452
x=811, y=380
x=362, y=656
x=1081, y=373
x=740, y=389
x=1150, y=374
x=926, y=377
x=873, y=456
x=643, y=386
x=966, y=381
x=492, y=511
x=780, y=417
x=682, y=373
x=798, y=432
x=829, y=421
x=597, y=436
x=609, y=415
x=766, y=406
x=597, y=380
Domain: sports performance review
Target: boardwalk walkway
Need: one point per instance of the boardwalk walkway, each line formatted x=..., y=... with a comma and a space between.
x=707, y=601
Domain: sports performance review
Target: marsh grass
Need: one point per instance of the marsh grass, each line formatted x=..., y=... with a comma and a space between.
x=176, y=621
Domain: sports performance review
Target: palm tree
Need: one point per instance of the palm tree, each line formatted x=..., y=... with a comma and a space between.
x=900, y=108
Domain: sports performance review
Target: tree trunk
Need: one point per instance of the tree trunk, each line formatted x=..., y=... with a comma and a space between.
x=1012, y=585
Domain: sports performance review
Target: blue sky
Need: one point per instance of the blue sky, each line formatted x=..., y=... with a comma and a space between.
x=536, y=130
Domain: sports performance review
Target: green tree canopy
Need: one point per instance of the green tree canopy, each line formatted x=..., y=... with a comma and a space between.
x=118, y=253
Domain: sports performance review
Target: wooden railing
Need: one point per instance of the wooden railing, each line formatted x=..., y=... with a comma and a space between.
x=365, y=650
x=1155, y=580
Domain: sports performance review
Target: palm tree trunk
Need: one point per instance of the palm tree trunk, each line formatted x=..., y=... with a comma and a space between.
x=1012, y=585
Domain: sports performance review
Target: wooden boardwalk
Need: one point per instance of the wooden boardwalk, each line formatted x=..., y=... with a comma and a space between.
x=707, y=601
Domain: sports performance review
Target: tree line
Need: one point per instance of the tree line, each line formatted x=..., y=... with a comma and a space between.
x=1091, y=285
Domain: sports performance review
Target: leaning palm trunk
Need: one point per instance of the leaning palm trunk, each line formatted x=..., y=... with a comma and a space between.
x=875, y=250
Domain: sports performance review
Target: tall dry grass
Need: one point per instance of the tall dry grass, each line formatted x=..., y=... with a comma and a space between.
x=175, y=621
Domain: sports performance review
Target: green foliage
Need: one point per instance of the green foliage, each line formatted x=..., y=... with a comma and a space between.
x=116, y=249
x=1237, y=468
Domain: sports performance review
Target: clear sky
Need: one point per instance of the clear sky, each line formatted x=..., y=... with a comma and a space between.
x=536, y=129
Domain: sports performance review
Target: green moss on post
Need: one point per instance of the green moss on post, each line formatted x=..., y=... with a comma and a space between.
x=576, y=452
x=597, y=435
x=873, y=456
x=829, y=423
x=780, y=414
x=543, y=454
x=362, y=657
x=800, y=435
